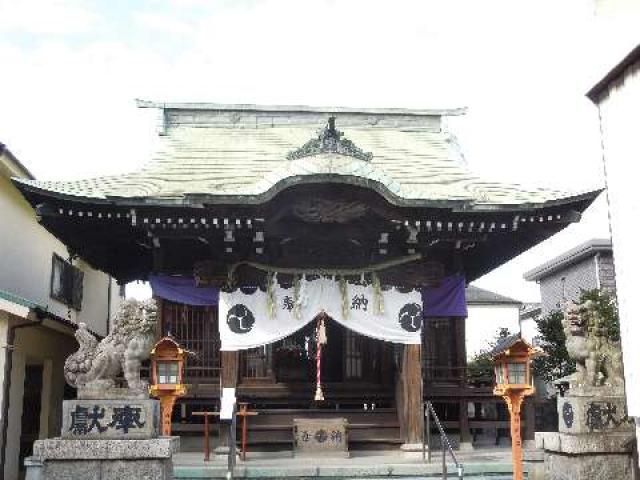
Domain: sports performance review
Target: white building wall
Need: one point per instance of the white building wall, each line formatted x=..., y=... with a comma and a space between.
x=27, y=249
x=620, y=114
x=529, y=329
x=4, y=325
x=484, y=321
x=25, y=271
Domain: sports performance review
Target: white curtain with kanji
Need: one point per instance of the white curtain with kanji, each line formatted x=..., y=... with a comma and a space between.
x=249, y=319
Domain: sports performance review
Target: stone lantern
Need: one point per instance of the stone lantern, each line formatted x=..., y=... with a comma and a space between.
x=512, y=356
x=167, y=377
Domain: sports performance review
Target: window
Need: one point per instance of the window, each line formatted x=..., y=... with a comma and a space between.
x=66, y=282
x=516, y=373
x=196, y=329
x=167, y=372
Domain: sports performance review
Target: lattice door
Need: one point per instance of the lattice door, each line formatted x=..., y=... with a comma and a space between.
x=196, y=329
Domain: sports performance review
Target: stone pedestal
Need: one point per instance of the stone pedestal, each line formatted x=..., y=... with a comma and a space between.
x=62, y=459
x=586, y=457
x=327, y=437
x=112, y=439
x=584, y=413
x=595, y=440
x=533, y=462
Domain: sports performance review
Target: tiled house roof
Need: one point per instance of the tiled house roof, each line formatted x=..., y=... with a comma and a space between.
x=569, y=258
x=480, y=296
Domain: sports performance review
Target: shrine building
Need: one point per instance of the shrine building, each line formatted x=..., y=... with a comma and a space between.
x=270, y=233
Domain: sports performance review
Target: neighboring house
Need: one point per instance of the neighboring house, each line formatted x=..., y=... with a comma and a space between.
x=585, y=267
x=488, y=312
x=617, y=96
x=42, y=298
x=529, y=314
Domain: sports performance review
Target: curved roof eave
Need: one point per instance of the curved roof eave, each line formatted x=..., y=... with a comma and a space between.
x=202, y=199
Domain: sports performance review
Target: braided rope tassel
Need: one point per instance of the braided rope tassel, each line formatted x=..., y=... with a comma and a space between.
x=321, y=336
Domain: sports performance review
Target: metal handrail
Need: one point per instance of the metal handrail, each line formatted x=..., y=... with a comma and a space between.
x=444, y=440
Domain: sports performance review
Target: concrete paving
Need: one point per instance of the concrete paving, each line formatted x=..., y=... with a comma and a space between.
x=493, y=463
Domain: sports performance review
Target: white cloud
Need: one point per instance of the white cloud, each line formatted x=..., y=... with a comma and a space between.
x=164, y=23
x=68, y=111
x=46, y=16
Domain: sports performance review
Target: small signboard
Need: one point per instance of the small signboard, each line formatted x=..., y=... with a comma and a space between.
x=227, y=403
x=321, y=436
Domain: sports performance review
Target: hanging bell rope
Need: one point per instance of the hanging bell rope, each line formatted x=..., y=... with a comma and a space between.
x=321, y=339
x=271, y=294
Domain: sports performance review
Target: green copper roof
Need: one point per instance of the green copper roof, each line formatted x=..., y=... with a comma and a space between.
x=4, y=295
x=248, y=151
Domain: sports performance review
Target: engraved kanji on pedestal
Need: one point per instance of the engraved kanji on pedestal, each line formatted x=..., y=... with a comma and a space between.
x=321, y=436
x=110, y=419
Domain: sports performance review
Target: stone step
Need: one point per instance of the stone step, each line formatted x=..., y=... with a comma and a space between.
x=475, y=471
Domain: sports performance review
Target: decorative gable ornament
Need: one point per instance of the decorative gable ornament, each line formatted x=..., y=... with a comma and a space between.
x=330, y=140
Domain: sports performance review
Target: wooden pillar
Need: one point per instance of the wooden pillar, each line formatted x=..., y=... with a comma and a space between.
x=465, y=432
x=410, y=395
x=514, y=402
x=167, y=403
x=461, y=349
x=228, y=379
x=229, y=370
x=466, y=442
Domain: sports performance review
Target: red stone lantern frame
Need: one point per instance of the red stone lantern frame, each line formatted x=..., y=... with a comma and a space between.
x=512, y=358
x=167, y=385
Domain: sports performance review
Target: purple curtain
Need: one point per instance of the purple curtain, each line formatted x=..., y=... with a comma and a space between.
x=447, y=300
x=183, y=290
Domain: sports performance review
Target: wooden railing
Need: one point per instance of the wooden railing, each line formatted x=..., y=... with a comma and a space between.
x=458, y=375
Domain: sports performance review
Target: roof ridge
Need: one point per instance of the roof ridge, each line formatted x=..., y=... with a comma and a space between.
x=140, y=103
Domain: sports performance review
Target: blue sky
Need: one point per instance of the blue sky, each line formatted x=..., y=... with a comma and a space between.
x=72, y=69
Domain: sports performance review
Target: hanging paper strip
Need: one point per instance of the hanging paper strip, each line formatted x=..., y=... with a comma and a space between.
x=246, y=322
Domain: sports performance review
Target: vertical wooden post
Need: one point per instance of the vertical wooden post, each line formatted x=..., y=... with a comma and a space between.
x=243, y=412
x=411, y=392
x=207, y=449
x=461, y=349
x=465, y=433
x=466, y=442
x=514, y=402
x=229, y=370
x=228, y=379
x=166, y=409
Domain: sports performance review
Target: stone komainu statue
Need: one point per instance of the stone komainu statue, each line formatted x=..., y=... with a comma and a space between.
x=598, y=358
x=96, y=365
